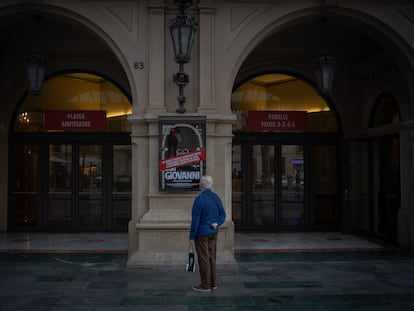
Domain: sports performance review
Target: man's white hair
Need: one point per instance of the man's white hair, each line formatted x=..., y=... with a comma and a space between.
x=206, y=182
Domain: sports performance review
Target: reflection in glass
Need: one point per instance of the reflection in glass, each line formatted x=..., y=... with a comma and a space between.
x=263, y=186
x=121, y=185
x=90, y=166
x=293, y=185
x=60, y=168
x=26, y=185
x=237, y=201
x=60, y=183
x=90, y=185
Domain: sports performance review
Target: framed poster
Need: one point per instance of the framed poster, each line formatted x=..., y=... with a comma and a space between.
x=182, y=160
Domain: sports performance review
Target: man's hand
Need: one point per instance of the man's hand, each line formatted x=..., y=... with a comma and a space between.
x=192, y=244
x=214, y=225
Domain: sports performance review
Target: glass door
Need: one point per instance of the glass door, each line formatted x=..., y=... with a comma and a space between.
x=121, y=185
x=25, y=186
x=89, y=192
x=238, y=201
x=269, y=189
x=263, y=187
x=292, y=181
x=59, y=191
x=389, y=189
x=277, y=184
x=285, y=184
x=70, y=187
x=325, y=202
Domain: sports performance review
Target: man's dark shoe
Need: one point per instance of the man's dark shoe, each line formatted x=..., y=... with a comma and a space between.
x=199, y=288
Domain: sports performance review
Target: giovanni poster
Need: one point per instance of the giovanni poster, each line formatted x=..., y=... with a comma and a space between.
x=182, y=159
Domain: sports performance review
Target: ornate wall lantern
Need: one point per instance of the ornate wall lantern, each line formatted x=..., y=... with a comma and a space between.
x=182, y=29
x=35, y=65
x=325, y=73
x=325, y=70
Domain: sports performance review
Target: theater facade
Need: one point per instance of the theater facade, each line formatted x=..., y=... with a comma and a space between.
x=107, y=144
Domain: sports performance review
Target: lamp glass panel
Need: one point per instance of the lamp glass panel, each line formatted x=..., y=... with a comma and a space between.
x=327, y=76
x=186, y=31
x=40, y=75
x=32, y=77
x=175, y=37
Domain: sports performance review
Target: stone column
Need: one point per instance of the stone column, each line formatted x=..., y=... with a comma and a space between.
x=160, y=233
x=140, y=171
x=206, y=34
x=406, y=211
x=4, y=172
x=219, y=165
x=156, y=56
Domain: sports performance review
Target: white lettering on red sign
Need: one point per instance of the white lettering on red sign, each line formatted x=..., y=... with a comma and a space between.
x=69, y=124
x=282, y=124
x=278, y=116
x=75, y=116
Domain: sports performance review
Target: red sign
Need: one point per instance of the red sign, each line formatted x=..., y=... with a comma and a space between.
x=277, y=120
x=75, y=120
x=183, y=159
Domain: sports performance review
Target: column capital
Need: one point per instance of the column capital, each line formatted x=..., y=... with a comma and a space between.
x=156, y=4
x=207, y=6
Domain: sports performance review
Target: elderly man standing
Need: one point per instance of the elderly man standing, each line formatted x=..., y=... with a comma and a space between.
x=206, y=217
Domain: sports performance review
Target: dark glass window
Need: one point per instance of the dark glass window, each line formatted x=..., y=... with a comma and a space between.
x=385, y=111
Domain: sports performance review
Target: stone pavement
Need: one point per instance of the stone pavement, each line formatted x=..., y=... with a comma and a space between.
x=364, y=280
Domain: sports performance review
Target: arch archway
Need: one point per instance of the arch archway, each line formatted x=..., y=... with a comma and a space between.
x=285, y=156
x=70, y=42
x=70, y=154
x=357, y=40
x=293, y=43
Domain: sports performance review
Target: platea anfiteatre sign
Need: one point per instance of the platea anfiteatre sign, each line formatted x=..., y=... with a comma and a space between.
x=75, y=120
x=277, y=120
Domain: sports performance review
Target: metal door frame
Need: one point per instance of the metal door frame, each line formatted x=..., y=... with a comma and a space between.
x=43, y=141
x=246, y=140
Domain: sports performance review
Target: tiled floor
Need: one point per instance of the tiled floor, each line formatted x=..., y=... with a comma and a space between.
x=295, y=241
x=64, y=242
x=244, y=242
x=289, y=272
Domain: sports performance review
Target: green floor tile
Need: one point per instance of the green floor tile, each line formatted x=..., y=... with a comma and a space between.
x=286, y=284
x=55, y=278
x=323, y=256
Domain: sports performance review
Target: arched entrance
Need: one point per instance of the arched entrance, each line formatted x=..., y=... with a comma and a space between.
x=285, y=157
x=360, y=155
x=70, y=152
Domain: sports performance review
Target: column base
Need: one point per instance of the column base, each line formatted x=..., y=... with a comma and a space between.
x=412, y=234
x=167, y=245
x=405, y=227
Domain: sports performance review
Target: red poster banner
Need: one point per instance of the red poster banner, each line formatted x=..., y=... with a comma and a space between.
x=75, y=120
x=183, y=159
x=277, y=120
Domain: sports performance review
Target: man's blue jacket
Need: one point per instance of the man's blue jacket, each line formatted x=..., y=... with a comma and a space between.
x=207, y=209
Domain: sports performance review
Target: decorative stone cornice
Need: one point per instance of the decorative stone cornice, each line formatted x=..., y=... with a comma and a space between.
x=409, y=126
